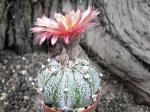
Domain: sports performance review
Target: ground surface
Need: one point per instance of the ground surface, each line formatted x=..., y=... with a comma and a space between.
x=17, y=93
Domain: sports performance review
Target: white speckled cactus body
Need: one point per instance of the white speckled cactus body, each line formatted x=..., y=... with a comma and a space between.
x=69, y=87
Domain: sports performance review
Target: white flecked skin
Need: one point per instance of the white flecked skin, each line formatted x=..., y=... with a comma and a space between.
x=69, y=87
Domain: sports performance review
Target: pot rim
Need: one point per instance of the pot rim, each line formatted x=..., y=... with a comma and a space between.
x=90, y=108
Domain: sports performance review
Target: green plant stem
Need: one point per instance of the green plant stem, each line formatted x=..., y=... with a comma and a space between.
x=70, y=52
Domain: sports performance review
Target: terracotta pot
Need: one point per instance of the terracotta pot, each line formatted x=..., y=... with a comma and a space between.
x=90, y=108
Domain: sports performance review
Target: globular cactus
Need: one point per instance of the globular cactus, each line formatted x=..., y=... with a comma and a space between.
x=69, y=87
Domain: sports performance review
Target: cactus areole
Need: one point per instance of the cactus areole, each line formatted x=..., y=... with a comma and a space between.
x=69, y=87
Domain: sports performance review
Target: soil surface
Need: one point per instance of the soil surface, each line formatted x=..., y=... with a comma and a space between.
x=18, y=94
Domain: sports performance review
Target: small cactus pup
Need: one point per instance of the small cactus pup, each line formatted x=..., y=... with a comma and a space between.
x=68, y=83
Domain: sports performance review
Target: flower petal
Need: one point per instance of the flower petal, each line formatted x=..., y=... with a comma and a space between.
x=66, y=39
x=42, y=39
x=69, y=21
x=54, y=40
x=77, y=18
x=86, y=14
x=37, y=29
x=61, y=19
x=46, y=22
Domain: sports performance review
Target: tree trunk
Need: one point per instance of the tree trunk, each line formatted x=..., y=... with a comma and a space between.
x=121, y=41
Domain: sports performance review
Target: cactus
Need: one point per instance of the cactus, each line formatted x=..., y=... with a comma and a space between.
x=67, y=82
x=69, y=87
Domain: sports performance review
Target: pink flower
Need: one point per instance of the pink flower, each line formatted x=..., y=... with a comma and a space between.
x=64, y=26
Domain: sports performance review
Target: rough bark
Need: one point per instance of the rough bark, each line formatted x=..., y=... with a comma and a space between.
x=121, y=41
x=16, y=19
